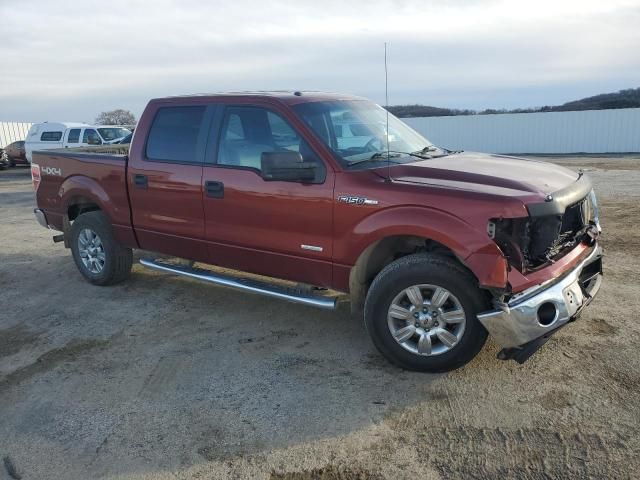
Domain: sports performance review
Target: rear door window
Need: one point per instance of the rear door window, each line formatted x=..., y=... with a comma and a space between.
x=176, y=135
x=74, y=135
x=50, y=136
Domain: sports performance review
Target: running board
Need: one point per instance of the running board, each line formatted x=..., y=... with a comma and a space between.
x=244, y=284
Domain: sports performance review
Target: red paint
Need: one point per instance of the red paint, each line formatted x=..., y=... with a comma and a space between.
x=260, y=226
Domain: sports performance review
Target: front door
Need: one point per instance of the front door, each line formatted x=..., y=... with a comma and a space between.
x=277, y=228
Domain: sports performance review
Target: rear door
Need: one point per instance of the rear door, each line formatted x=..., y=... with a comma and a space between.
x=165, y=179
x=277, y=228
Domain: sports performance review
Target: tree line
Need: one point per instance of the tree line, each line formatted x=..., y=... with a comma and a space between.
x=628, y=98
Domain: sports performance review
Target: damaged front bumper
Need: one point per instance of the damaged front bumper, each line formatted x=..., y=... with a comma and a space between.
x=522, y=325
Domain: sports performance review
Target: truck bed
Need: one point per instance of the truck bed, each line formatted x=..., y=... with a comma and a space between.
x=66, y=175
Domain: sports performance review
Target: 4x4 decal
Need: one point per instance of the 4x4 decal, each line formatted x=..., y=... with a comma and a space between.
x=51, y=171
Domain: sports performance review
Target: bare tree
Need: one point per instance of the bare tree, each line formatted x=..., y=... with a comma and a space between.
x=116, y=117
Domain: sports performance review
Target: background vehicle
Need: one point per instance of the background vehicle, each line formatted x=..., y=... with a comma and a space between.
x=112, y=134
x=437, y=248
x=15, y=154
x=51, y=135
x=126, y=139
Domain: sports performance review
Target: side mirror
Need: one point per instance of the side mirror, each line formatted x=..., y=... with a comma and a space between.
x=94, y=141
x=287, y=167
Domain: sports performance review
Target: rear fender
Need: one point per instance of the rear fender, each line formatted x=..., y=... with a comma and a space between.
x=80, y=189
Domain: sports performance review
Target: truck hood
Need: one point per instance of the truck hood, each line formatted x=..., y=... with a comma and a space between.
x=487, y=173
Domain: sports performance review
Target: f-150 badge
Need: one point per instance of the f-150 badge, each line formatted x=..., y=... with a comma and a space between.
x=353, y=200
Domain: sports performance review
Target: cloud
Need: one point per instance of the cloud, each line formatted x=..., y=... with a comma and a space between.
x=64, y=60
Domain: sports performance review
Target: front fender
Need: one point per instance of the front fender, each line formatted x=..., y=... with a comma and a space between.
x=472, y=247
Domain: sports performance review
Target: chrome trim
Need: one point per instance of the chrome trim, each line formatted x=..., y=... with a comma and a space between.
x=246, y=285
x=41, y=217
x=313, y=248
x=516, y=322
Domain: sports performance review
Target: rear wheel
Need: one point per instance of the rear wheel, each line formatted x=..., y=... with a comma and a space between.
x=98, y=256
x=421, y=313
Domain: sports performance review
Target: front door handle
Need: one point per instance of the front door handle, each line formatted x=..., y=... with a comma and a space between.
x=214, y=189
x=140, y=181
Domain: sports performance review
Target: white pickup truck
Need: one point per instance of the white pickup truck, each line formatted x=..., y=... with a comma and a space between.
x=51, y=135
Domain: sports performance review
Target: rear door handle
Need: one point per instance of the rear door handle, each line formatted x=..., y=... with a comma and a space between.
x=140, y=181
x=214, y=189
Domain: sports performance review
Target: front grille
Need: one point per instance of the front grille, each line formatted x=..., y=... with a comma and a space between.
x=553, y=235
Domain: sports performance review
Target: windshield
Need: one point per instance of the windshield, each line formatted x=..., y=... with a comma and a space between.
x=113, y=133
x=355, y=130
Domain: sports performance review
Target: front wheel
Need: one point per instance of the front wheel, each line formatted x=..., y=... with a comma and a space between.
x=98, y=256
x=421, y=313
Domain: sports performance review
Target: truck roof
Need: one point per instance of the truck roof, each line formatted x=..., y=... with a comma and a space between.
x=290, y=97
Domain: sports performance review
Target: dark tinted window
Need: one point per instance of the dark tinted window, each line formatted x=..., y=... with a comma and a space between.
x=247, y=132
x=174, y=134
x=50, y=136
x=74, y=136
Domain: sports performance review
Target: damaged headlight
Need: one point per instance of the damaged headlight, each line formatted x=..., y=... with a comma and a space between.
x=512, y=236
x=531, y=242
x=595, y=211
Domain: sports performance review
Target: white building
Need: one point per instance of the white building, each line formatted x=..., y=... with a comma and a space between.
x=589, y=131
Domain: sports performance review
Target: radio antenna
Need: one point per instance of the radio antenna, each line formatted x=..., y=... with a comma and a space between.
x=386, y=100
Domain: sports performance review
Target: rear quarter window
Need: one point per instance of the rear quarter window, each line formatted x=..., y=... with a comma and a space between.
x=175, y=133
x=50, y=136
x=74, y=136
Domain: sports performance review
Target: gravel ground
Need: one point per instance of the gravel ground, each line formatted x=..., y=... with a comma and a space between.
x=162, y=377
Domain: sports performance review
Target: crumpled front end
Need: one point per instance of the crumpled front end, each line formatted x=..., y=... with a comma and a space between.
x=563, y=230
x=552, y=229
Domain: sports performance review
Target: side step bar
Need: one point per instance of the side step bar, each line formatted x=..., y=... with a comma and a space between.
x=244, y=284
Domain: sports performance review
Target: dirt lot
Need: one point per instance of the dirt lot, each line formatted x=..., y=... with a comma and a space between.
x=162, y=377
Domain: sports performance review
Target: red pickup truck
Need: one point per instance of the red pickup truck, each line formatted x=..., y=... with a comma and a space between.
x=436, y=248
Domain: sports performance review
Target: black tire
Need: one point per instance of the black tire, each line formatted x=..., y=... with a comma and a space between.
x=117, y=259
x=417, y=269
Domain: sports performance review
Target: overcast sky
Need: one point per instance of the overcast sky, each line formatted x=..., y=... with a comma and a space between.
x=69, y=60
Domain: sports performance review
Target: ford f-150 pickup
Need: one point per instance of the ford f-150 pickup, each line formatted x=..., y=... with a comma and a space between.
x=436, y=248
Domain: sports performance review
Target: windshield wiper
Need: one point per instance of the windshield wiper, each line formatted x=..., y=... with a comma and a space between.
x=424, y=153
x=377, y=156
x=384, y=154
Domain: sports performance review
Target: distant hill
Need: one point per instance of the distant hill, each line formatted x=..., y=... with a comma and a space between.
x=628, y=98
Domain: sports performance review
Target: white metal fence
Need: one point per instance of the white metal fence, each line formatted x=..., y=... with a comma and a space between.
x=592, y=131
x=13, y=131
